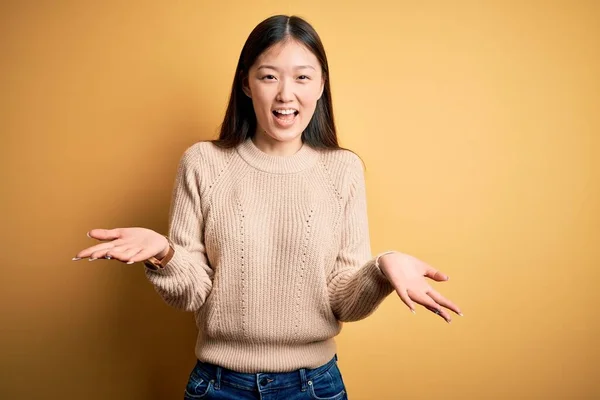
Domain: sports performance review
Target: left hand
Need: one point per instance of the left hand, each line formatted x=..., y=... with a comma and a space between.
x=407, y=275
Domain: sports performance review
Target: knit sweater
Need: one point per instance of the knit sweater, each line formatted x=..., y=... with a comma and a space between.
x=272, y=254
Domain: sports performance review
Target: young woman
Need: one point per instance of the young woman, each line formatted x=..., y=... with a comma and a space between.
x=268, y=240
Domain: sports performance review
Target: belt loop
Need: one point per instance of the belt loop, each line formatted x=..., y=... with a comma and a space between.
x=303, y=379
x=218, y=380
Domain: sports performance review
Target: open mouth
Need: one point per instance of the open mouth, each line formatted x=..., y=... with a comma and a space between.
x=285, y=117
x=285, y=113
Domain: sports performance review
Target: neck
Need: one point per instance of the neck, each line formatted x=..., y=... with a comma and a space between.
x=303, y=159
x=273, y=147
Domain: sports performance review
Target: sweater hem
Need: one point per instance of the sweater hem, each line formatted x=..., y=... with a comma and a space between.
x=264, y=357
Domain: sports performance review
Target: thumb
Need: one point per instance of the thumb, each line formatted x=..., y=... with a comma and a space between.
x=436, y=275
x=104, y=234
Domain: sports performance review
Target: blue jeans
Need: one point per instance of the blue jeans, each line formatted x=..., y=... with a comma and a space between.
x=209, y=381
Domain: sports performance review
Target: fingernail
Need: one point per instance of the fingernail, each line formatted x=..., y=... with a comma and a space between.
x=448, y=320
x=130, y=262
x=413, y=311
x=88, y=235
x=76, y=258
x=92, y=259
x=460, y=314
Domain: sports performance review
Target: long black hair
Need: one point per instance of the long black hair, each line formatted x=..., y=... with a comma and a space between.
x=240, y=120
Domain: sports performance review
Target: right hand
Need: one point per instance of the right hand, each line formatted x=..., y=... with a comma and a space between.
x=128, y=245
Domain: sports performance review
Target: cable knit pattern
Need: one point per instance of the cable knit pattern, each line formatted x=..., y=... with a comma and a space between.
x=272, y=254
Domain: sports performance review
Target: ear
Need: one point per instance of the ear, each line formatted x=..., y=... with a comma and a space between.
x=322, y=88
x=245, y=86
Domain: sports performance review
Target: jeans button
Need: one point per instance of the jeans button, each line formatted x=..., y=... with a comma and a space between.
x=263, y=381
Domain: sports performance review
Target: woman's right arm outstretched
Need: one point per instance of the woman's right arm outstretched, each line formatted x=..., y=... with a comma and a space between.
x=186, y=280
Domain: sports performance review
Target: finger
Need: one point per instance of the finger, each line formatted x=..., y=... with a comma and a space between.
x=105, y=234
x=406, y=299
x=442, y=313
x=403, y=294
x=436, y=275
x=143, y=255
x=99, y=248
x=124, y=254
x=429, y=303
x=441, y=300
x=107, y=248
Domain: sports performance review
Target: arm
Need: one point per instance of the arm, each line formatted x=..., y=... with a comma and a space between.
x=186, y=280
x=356, y=285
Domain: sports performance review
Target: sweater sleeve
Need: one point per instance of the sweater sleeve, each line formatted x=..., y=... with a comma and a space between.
x=186, y=280
x=356, y=285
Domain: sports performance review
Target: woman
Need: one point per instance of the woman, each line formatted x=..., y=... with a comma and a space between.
x=268, y=239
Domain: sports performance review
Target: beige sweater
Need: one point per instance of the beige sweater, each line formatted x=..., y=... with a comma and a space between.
x=271, y=254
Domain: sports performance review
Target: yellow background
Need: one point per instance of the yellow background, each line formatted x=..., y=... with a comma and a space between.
x=479, y=124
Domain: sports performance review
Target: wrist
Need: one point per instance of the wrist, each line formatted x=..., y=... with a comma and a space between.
x=381, y=256
x=160, y=260
x=165, y=250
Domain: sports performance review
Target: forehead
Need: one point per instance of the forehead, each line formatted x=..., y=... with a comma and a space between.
x=287, y=53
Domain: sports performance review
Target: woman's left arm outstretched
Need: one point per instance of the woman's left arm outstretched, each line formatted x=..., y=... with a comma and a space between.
x=359, y=282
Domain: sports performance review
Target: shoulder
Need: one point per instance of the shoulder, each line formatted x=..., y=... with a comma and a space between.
x=341, y=163
x=344, y=170
x=206, y=153
x=342, y=157
x=205, y=159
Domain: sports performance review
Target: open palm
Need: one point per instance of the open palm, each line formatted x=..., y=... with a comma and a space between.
x=407, y=275
x=128, y=245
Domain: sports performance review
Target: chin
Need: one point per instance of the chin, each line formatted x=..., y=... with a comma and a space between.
x=282, y=135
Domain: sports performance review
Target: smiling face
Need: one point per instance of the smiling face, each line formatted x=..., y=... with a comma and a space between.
x=284, y=84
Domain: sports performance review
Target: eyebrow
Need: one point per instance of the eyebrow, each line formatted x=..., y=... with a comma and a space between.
x=276, y=69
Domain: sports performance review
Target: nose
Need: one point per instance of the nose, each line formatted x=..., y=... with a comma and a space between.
x=285, y=94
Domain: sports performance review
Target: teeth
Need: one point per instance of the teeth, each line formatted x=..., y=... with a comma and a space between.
x=286, y=112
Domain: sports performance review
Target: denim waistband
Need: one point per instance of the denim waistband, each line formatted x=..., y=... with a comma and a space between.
x=261, y=381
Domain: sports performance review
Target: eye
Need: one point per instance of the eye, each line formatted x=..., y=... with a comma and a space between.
x=268, y=77
x=304, y=77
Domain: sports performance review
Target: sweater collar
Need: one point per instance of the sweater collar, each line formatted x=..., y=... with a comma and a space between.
x=301, y=160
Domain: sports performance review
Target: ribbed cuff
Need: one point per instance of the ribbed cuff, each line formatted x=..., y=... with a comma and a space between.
x=176, y=265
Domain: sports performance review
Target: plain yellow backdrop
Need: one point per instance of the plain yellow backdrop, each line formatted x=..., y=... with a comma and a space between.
x=479, y=123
